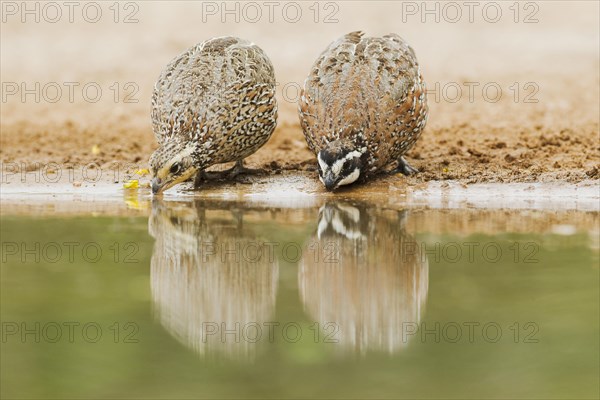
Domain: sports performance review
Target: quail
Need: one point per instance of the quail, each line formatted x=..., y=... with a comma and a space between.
x=368, y=279
x=363, y=106
x=214, y=103
x=206, y=270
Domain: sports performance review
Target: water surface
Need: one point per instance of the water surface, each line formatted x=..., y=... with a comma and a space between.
x=344, y=299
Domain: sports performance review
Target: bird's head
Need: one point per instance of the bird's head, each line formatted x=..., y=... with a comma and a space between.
x=340, y=163
x=172, y=163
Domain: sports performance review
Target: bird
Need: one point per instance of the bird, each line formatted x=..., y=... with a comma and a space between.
x=214, y=103
x=208, y=275
x=363, y=277
x=362, y=107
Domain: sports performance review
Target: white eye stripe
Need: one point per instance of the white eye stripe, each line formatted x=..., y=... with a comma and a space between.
x=352, y=212
x=353, y=154
x=339, y=227
x=322, y=163
x=339, y=164
x=323, y=224
x=350, y=178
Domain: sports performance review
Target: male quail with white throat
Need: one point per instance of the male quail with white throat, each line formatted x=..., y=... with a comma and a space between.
x=363, y=106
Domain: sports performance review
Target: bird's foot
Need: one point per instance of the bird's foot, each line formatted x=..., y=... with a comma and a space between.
x=202, y=176
x=236, y=170
x=405, y=168
x=239, y=169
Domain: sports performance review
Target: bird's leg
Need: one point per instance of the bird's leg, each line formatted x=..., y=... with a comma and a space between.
x=405, y=168
x=402, y=217
x=239, y=168
x=238, y=216
x=204, y=175
x=200, y=176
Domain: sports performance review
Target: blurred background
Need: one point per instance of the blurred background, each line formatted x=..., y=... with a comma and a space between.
x=543, y=42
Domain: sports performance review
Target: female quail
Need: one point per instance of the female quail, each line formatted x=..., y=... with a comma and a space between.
x=213, y=104
x=363, y=107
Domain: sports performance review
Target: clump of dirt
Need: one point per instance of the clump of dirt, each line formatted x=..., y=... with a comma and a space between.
x=466, y=154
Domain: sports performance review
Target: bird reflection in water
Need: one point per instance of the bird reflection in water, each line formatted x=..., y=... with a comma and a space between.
x=200, y=282
x=371, y=282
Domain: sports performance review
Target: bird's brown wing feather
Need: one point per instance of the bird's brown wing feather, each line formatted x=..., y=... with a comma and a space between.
x=195, y=84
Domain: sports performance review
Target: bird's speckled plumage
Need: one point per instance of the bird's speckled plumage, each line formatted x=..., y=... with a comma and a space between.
x=214, y=103
x=366, y=92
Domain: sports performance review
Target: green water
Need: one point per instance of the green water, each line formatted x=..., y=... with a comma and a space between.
x=222, y=300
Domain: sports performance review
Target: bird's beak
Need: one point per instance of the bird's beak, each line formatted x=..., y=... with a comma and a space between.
x=156, y=186
x=330, y=182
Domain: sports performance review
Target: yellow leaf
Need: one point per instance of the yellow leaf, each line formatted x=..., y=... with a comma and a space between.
x=131, y=184
x=142, y=172
x=95, y=149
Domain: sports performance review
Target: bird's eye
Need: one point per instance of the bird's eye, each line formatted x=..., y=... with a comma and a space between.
x=175, y=168
x=347, y=168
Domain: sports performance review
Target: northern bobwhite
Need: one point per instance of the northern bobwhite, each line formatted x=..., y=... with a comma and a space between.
x=214, y=103
x=363, y=106
x=205, y=270
x=368, y=279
